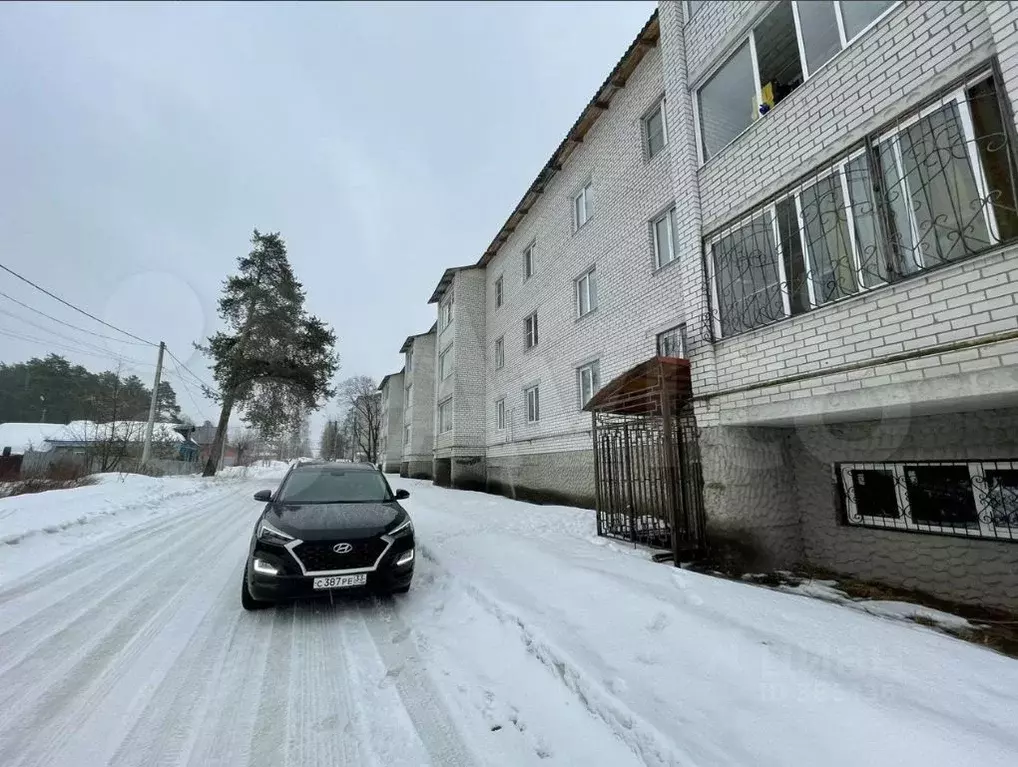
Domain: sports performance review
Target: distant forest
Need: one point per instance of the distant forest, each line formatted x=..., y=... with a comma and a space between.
x=52, y=390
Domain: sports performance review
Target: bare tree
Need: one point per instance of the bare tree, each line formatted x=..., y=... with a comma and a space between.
x=361, y=394
x=244, y=442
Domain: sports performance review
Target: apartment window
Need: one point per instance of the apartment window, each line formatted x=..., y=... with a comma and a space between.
x=655, y=133
x=530, y=331
x=940, y=179
x=528, y=262
x=586, y=293
x=664, y=237
x=589, y=381
x=498, y=292
x=406, y=434
x=445, y=363
x=789, y=44
x=692, y=6
x=446, y=313
x=672, y=342
x=971, y=498
x=533, y=396
x=727, y=102
x=856, y=15
x=409, y=387
x=445, y=416
x=583, y=206
x=409, y=359
x=500, y=353
x=500, y=415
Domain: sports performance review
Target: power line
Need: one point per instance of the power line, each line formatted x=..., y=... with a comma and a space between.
x=71, y=349
x=193, y=375
x=72, y=306
x=190, y=395
x=68, y=324
x=83, y=344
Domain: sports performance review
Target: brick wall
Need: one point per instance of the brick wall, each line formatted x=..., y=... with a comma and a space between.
x=716, y=30
x=470, y=385
x=914, y=50
x=420, y=413
x=962, y=569
x=961, y=303
x=634, y=301
x=900, y=61
x=393, y=395
x=464, y=340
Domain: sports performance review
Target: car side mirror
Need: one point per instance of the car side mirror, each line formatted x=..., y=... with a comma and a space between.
x=402, y=494
x=263, y=496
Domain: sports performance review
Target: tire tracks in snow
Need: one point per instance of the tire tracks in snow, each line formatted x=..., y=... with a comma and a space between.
x=44, y=697
x=423, y=703
x=72, y=619
x=82, y=563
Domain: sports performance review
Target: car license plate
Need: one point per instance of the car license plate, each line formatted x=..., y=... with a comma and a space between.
x=340, y=581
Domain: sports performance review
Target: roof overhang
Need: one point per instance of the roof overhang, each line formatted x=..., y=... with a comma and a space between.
x=385, y=379
x=446, y=281
x=410, y=339
x=641, y=389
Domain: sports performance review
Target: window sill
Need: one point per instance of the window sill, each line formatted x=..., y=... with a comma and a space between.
x=529, y=349
x=649, y=160
x=582, y=227
x=841, y=303
x=658, y=269
x=583, y=317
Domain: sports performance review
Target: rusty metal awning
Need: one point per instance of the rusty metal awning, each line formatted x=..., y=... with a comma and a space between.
x=640, y=389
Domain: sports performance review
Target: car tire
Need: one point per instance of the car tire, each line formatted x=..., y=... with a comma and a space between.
x=402, y=589
x=247, y=601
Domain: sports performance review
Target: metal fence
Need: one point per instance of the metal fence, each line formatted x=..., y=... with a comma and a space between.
x=935, y=186
x=646, y=458
x=35, y=463
x=967, y=498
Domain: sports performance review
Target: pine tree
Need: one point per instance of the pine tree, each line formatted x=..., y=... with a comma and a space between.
x=167, y=409
x=274, y=355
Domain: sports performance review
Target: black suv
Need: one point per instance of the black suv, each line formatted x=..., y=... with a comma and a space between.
x=329, y=526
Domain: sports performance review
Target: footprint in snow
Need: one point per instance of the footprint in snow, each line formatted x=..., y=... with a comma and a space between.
x=328, y=723
x=401, y=636
x=659, y=623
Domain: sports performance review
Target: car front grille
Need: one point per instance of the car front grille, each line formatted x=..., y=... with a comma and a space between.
x=319, y=556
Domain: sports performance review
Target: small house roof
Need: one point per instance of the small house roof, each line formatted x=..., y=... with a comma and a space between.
x=22, y=437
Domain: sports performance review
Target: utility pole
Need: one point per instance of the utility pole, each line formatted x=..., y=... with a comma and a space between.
x=146, y=449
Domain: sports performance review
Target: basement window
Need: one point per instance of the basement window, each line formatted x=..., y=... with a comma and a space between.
x=976, y=499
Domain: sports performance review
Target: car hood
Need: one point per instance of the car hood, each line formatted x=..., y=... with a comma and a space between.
x=333, y=521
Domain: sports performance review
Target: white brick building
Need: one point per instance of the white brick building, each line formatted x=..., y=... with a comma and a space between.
x=860, y=305
x=390, y=452
x=418, y=405
x=815, y=204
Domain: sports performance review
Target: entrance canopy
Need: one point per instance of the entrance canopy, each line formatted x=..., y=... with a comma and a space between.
x=641, y=389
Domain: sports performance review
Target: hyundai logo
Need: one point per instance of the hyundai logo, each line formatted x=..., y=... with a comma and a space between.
x=342, y=548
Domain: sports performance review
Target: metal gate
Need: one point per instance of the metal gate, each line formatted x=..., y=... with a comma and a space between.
x=646, y=458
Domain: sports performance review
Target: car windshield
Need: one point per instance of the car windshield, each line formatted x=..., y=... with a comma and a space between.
x=329, y=484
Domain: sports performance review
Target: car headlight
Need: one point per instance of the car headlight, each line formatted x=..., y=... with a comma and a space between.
x=269, y=534
x=405, y=558
x=263, y=567
x=406, y=526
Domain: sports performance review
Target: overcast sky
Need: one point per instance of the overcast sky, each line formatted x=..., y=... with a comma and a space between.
x=141, y=144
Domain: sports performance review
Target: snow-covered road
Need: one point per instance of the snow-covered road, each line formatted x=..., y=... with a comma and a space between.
x=525, y=640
